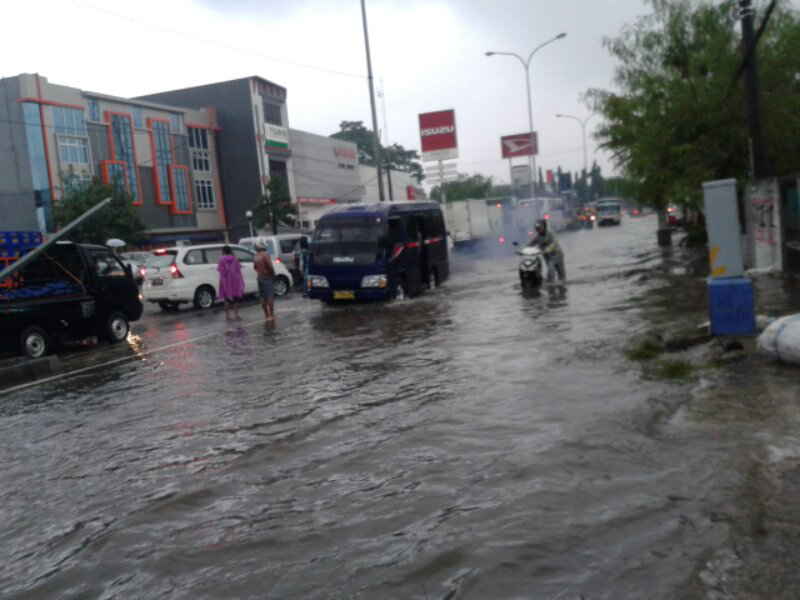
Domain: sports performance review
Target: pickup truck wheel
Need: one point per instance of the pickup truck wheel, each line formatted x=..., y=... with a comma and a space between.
x=203, y=297
x=34, y=342
x=281, y=286
x=116, y=327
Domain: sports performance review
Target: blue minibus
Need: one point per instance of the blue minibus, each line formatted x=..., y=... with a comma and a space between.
x=378, y=251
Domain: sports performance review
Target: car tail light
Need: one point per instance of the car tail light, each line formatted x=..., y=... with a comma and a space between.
x=501, y=240
x=278, y=259
x=175, y=271
x=142, y=271
x=546, y=216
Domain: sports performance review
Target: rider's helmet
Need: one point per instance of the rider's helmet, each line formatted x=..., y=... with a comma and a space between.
x=541, y=226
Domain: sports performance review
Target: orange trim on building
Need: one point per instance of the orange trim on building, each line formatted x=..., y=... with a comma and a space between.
x=46, y=145
x=149, y=123
x=107, y=117
x=199, y=126
x=51, y=102
x=171, y=170
x=212, y=141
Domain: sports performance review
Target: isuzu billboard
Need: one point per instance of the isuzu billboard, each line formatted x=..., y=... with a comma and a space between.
x=437, y=133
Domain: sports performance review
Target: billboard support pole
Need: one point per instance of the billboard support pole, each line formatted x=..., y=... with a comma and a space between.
x=511, y=177
x=442, y=183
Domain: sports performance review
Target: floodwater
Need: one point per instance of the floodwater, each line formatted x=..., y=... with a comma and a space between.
x=473, y=442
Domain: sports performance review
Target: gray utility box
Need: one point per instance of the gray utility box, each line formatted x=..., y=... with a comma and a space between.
x=724, y=231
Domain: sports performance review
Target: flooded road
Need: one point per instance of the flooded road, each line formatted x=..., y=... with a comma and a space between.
x=474, y=442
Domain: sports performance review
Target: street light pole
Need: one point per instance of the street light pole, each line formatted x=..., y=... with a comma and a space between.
x=249, y=216
x=585, y=163
x=526, y=65
x=375, y=141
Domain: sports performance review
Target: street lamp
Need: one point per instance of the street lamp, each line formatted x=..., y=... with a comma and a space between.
x=526, y=65
x=249, y=215
x=585, y=164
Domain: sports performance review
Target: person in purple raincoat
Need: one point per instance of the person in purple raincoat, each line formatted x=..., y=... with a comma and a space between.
x=231, y=282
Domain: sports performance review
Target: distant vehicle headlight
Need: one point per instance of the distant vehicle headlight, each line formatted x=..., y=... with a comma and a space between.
x=374, y=281
x=527, y=263
x=317, y=281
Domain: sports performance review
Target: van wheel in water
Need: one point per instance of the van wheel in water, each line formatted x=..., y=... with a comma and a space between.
x=203, y=297
x=116, y=327
x=281, y=286
x=34, y=342
x=400, y=290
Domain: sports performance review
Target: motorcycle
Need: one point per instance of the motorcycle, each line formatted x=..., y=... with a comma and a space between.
x=530, y=267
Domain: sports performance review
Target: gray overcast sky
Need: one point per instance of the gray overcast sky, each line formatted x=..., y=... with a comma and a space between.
x=429, y=55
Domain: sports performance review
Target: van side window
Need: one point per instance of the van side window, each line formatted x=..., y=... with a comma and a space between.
x=243, y=256
x=287, y=246
x=193, y=257
x=438, y=225
x=396, y=233
x=411, y=229
x=213, y=255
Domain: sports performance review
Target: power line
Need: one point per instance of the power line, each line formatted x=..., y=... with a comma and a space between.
x=212, y=42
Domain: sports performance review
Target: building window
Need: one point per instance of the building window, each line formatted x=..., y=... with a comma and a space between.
x=201, y=161
x=179, y=183
x=122, y=149
x=114, y=173
x=272, y=113
x=137, y=117
x=175, y=122
x=94, y=109
x=69, y=120
x=204, y=192
x=73, y=150
x=161, y=142
x=76, y=182
x=198, y=138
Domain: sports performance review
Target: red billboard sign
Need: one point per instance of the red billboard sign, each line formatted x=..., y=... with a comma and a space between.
x=437, y=132
x=521, y=144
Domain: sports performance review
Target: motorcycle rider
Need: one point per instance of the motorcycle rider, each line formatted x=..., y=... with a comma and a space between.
x=553, y=256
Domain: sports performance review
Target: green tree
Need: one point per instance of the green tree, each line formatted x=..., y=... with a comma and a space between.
x=120, y=219
x=274, y=207
x=678, y=116
x=465, y=187
x=395, y=156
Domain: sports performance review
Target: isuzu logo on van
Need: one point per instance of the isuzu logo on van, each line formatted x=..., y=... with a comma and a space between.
x=343, y=259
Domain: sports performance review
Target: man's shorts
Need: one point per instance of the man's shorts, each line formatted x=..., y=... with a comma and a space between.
x=265, y=288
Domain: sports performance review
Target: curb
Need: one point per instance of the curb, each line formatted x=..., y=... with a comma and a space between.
x=27, y=370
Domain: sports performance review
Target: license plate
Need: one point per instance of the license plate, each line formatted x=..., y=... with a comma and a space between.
x=156, y=282
x=342, y=295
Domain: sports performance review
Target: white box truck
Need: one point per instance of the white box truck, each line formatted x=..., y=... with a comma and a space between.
x=467, y=220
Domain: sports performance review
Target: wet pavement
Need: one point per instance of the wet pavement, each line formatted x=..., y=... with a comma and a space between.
x=474, y=442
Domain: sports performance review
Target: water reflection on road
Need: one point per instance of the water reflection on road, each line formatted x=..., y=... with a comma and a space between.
x=474, y=442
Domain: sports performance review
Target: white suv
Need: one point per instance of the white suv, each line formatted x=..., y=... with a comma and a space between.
x=189, y=274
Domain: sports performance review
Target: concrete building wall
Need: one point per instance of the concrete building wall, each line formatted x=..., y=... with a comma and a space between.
x=17, y=204
x=325, y=173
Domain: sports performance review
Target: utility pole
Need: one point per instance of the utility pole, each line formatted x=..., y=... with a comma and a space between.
x=758, y=161
x=375, y=141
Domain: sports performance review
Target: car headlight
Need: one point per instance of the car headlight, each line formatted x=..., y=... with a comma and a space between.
x=317, y=281
x=374, y=281
x=527, y=263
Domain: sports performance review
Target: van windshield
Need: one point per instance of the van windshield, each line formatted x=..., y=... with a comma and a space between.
x=348, y=235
